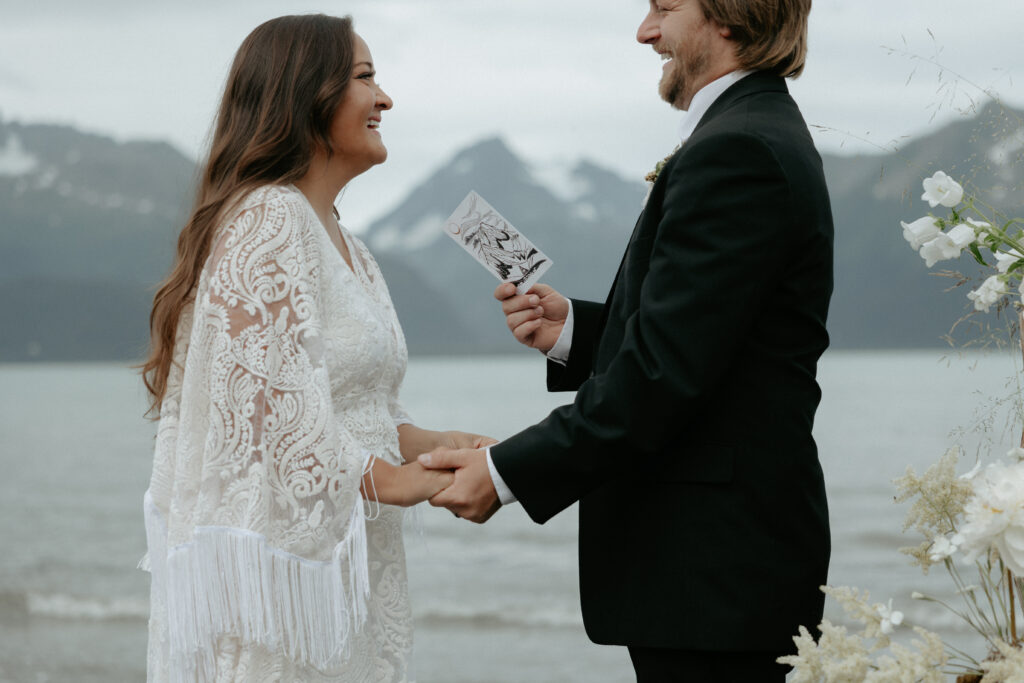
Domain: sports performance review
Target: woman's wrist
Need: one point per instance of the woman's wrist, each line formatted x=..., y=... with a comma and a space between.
x=414, y=441
x=378, y=481
x=386, y=483
x=402, y=485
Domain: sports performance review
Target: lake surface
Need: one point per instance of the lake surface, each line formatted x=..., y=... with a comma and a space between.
x=493, y=603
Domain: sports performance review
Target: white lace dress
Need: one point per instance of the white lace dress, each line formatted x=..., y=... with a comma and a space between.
x=266, y=564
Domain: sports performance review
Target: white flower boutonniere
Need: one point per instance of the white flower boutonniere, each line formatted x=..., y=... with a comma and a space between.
x=653, y=174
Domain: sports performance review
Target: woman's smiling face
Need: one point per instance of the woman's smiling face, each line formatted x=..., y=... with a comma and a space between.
x=354, y=130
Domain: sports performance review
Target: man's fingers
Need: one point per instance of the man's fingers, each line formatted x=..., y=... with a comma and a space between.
x=514, y=320
x=523, y=332
x=441, y=499
x=453, y=502
x=516, y=304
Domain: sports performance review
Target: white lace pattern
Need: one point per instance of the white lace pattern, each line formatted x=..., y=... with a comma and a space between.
x=284, y=386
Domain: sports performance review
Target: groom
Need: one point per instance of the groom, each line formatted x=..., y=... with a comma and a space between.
x=703, y=522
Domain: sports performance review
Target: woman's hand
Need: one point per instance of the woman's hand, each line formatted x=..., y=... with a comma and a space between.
x=413, y=440
x=403, y=485
x=460, y=440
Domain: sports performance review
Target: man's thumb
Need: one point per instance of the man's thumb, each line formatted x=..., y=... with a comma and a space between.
x=541, y=289
x=440, y=459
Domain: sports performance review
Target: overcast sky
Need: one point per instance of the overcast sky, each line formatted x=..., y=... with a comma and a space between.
x=559, y=79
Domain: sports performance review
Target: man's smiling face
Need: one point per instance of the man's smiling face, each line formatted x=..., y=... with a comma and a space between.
x=690, y=44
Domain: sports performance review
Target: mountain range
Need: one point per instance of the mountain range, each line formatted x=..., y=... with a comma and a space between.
x=88, y=227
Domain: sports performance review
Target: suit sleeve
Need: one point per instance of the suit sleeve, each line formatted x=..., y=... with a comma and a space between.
x=585, y=330
x=718, y=249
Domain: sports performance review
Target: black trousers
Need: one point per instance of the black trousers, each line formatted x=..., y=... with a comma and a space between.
x=657, y=665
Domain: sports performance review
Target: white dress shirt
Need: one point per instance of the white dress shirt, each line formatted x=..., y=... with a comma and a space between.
x=559, y=353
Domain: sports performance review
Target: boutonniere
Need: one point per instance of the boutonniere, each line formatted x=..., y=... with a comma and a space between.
x=653, y=175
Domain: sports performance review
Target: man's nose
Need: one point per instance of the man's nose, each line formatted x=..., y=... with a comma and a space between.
x=648, y=33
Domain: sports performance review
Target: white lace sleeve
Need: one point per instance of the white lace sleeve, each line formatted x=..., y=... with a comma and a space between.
x=266, y=478
x=398, y=413
x=273, y=444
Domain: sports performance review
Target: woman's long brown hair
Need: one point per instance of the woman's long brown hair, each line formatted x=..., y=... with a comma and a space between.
x=287, y=80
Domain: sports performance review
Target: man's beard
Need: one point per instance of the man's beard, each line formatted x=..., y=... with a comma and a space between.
x=675, y=86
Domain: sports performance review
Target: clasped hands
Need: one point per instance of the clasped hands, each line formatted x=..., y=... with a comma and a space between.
x=471, y=494
x=535, y=320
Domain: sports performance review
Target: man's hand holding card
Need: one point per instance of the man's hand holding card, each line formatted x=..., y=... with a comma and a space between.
x=536, y=318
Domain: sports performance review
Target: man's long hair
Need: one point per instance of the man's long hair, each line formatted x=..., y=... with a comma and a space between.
x=287, y=80
x=770, y=35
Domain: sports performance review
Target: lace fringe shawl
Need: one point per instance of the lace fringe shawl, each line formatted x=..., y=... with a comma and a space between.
x=232, y=581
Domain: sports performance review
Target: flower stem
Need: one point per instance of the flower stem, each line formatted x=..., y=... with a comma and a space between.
x=966, y=618
x=1013, y=609
x=1020, y=594
x=969, y=600
x=1020, y=337
x=991, y=589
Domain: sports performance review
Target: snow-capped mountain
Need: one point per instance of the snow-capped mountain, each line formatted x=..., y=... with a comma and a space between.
x=88, y=226
x=581, y=219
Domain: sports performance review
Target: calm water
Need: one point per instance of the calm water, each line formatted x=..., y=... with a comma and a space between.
x=493, y=603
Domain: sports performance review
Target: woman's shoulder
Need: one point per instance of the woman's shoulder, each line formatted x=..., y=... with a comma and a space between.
x=268, y=207
x=272, y=196
x=274, y=217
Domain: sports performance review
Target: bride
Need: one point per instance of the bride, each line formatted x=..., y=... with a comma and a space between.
x=275, y=365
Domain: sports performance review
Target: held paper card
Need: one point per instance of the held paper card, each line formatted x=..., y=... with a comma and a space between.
x=495, y=243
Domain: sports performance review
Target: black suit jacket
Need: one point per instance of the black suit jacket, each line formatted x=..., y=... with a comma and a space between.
x=703, y=520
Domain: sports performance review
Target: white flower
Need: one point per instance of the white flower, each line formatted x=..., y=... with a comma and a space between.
x=920, y=231
x=994, y=516
x=944, y=546
x=917, y=596
x=947, y=245
x=989, y=293
x=941, y=189
x=980, y=227
x=1006, y=259
x=890, y=617
x=967, y=476
x=962, y=235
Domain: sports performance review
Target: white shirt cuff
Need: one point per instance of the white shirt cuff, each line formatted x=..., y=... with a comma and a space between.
x=560, y=351
x=505, y=494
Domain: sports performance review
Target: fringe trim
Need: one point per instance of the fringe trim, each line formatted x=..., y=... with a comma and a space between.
x=232, y=581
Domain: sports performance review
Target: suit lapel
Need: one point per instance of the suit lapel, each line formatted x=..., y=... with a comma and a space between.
x=760, y=81
x=656, y=191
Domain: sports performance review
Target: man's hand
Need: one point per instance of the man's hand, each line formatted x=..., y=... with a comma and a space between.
x=535, y=318
x=472, y=495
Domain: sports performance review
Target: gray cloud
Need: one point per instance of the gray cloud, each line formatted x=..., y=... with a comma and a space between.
x=560, y=80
